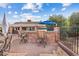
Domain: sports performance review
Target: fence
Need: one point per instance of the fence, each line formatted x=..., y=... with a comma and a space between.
x=50, y=37
x=69, y=36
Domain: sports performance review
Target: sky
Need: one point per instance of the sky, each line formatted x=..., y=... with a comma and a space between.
x=21, y=12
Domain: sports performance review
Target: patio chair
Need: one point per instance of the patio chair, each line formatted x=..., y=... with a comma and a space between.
x=42, y=41
x=6, y=46
x=42, y=38
x=23, y=37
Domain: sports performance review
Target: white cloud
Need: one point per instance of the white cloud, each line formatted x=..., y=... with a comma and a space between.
x=27, y=16
x=53, y=9
x=45, y=15
x=47, y=4
x=9, y=12
x=15, y=16
x=66, y=4
x=9, y=7
x=35, y=7
x=50, y=14
x=63, y=9
x=36, y=11
x=39, y=5
x=28, y=6
x=16, y=12
x=3, y=5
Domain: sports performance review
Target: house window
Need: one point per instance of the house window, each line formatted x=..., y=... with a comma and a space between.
x=31, y=28
x=15, y=28
x=18, y=28
x=23, y=28
x=0, y=29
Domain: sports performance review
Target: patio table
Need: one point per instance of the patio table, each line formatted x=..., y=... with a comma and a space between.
x=23, y=37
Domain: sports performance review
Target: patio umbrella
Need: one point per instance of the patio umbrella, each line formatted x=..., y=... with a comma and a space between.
x=47, y=22
x=5, y=26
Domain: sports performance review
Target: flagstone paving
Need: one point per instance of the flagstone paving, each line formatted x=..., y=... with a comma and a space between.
x=33, y=49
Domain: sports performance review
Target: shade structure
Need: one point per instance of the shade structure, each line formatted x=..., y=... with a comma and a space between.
x=5, y=26
x=47, y=22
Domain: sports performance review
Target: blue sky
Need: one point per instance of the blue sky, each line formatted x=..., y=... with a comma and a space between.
x=16, y=12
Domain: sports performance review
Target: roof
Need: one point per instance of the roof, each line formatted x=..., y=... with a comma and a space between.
x=26, y=23
x=17, y=24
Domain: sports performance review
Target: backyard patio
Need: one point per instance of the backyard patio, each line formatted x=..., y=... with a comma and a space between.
x=33, y=49
x=28, y=49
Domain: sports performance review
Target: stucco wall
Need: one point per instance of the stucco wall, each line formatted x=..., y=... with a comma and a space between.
x=32, y=37
x=51, y=37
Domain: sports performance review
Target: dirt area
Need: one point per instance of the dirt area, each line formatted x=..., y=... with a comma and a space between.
x=33, y=49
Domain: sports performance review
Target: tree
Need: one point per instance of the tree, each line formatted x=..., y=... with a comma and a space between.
x=74, y=19
x=59, y=19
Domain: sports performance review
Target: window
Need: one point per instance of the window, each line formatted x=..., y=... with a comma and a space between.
x=18, y=28
x=23, y=28
x=0, y=29
x=31, y=28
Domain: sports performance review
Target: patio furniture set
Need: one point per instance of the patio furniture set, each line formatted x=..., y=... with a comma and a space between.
x=24, y=37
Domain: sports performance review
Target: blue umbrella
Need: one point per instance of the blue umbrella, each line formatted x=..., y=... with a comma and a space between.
x=47, y=22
